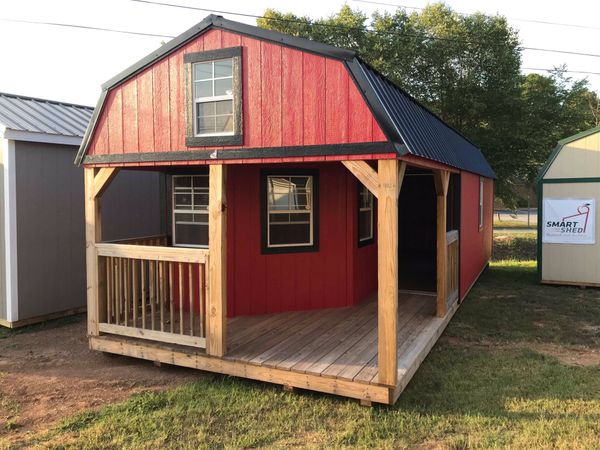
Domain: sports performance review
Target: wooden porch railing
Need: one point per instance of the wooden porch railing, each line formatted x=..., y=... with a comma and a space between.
x=153, y=240
x=153, y=292
x=452, y=271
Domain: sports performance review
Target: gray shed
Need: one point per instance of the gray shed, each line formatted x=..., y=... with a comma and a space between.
x=42, y=241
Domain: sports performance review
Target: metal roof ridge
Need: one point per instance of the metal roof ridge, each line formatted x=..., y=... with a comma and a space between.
x=44, y=100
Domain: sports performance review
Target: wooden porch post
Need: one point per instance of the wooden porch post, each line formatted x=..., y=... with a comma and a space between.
x=216, y=344
x=390, y=173
x=95, y=182
x=442, y=178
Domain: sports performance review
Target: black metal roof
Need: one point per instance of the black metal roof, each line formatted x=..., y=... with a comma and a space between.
x=408, y=124
x=423, y=133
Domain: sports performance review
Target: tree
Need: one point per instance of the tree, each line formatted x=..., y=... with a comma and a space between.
x=467, y=70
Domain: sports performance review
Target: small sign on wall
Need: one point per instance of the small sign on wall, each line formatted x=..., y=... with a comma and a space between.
x=569, y=221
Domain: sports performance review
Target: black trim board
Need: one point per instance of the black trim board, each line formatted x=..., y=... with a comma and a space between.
x=210, y=55
x=250, y=153
x=314, y=248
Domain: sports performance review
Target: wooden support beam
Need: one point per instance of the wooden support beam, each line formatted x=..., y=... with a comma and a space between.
x=365, y=174
x=216, y=344
x=441, y=179
x=93, y=234
x=387, y=228
x=103, y=179
x=401, y=171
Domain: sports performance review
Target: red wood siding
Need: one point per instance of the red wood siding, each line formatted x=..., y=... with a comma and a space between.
x=330, y=277
x=475, y=243
x=290, y=98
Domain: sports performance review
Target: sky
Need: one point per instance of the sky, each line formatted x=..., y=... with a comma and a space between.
x=70, y=64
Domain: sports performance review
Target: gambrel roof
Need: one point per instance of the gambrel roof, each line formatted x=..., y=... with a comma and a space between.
x=412, y=127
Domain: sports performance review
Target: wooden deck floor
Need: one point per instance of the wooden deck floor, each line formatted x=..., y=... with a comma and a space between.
x=332, y=350
x=339, y=343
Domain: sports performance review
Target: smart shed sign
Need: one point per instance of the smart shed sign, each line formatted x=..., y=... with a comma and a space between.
x=569, y=221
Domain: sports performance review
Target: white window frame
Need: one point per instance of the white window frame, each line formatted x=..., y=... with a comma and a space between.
x=480, y=202
x=214, y=98
x=310, y=199
x=370, y=209
x=185, y=211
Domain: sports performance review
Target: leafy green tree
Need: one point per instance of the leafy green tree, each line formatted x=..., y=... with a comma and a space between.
x=467, y=70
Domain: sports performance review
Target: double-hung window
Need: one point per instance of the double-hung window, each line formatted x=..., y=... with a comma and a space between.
x=214, y=98
x=190, y=210
x=365, y=215
x=290, y=212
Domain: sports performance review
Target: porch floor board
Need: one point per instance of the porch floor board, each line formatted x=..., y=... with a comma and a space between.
x=338, y=343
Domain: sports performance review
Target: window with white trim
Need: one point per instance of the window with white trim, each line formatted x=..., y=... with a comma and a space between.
x=480, y=202
x=365, y=215
x=290, y=212
x=190, y=210
x=213, y=98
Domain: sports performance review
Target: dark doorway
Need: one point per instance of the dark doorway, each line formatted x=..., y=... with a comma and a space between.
x=417, y=232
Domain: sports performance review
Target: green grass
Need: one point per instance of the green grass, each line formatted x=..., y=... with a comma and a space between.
x=519, y=224
x=482, y=386
x=514, y=245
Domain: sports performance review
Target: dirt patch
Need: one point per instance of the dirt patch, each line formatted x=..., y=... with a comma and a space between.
x=573, y=355
x=48, y=375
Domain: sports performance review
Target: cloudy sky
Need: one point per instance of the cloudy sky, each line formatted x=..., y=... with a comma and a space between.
x=70, y=64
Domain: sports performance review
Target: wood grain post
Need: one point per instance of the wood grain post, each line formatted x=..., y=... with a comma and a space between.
x=441, y=178
x=95, y=182
x=387, y=250
x=216, y=344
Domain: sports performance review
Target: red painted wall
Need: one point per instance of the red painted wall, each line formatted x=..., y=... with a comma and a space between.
x=339, y=274
x=475, y=243
x=290, y=98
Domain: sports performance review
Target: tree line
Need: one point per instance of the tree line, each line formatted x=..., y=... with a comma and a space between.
x=466, y=69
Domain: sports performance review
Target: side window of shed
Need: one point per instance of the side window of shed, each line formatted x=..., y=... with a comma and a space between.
x=190, y=210
x=480, y=202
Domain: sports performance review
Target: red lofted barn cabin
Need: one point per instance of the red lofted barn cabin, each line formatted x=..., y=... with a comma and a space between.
x=320, y=226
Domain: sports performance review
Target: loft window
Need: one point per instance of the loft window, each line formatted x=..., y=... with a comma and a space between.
x=289, y=212
x=190, y=210
x=480, y=202
x=214, y=98
x=365, y=215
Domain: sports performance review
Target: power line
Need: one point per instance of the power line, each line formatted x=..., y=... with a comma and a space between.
x=542, y=22
x=312, y=23
x=85, y=27
x=582, y=72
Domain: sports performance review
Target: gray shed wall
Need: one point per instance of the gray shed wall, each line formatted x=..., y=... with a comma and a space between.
x=50, y=224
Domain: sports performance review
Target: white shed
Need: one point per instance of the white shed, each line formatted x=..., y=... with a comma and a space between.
x=568, y=197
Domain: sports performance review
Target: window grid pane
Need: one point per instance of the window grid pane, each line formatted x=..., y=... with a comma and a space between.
x=289, y=208
x=190, y=210
x=213, y=97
